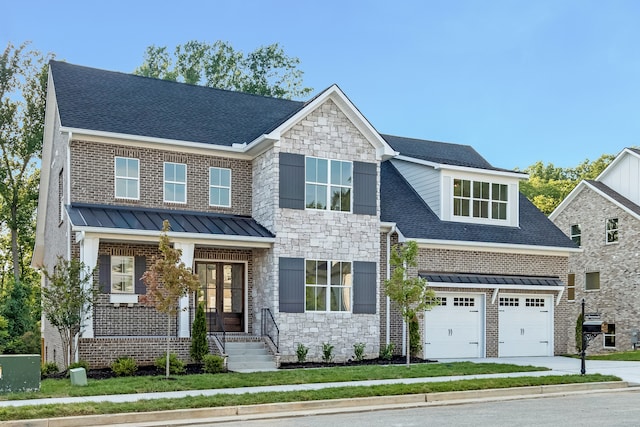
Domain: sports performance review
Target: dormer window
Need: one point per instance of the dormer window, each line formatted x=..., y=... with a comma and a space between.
x=478, y=199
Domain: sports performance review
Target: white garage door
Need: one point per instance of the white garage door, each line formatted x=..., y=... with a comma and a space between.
x=525, y=325
x=455, y=327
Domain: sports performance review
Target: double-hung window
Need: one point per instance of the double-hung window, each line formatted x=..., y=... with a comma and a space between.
x=127, y=178
x=571, y=287
x=175, y=182
x=480, y=199
x=328, y=285
x=576, y=234
x=610, y=336
x=122, y=274
x=328, y=184
x=612, y=230
x=219, y=187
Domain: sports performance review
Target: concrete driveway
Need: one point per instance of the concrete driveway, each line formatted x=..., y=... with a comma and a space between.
x=628, y=371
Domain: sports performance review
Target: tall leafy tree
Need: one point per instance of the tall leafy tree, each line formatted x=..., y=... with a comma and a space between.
x=411, y=294
x=167, y=281
x=67, y=299
x=266, y=71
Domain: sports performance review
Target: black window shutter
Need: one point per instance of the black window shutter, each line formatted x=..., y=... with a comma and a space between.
x=104, y=273
x=364, y=287
x=364, y=188
x=291, y=181
x=292, y=285
x=139, y=269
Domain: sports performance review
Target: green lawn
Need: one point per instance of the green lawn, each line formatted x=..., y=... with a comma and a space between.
x=632, y=356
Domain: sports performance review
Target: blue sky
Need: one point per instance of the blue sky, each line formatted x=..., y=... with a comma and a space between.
x=520, y=81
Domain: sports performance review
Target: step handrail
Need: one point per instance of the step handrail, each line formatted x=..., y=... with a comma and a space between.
x=269, y=328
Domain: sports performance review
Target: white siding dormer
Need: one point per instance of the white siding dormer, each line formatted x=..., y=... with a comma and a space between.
x=425, y=180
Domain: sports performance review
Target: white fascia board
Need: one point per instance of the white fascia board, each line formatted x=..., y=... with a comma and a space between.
x=262, y=143
x=615, y=161
x=195, y=238
x=51, y=111
x=442, y=166
x=614, y=201
x=494, y=247
x=383, y=149
x=387, y=227
x=235, y=151
x=567, y=200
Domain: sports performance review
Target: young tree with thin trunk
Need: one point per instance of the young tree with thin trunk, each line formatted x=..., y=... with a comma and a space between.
x=167, y=281
x=411, y=294
x=67, y=299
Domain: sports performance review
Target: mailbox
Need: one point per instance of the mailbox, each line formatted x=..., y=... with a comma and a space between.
x=592, y=326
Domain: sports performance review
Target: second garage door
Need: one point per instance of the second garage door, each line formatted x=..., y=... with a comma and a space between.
x=525, y=325
x=454, y=329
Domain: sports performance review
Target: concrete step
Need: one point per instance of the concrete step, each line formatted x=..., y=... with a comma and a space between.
x=249, y=356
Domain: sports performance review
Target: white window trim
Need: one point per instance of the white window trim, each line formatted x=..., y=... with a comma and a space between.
x=488, y=201
x=165, y=182
x=328, y=184
x=328, y=287
x=599, y=282
x=116, y=177
x=606, y=231
x=604, y=339
x=571, y=235
x=133, y=276
x=211, y=168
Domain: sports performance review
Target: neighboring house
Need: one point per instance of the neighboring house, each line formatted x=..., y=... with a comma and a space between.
x=286, y=211
x=603, y=217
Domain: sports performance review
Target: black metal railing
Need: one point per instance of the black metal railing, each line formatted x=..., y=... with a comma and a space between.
x=269, y=328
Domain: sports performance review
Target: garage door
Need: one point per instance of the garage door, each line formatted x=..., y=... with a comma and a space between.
x=525, y=325
x=454, y=329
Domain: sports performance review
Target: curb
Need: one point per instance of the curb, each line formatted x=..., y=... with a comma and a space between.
x=291, y=409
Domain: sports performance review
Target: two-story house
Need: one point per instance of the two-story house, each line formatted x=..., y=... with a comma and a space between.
x=286, y=211
x=602, y=216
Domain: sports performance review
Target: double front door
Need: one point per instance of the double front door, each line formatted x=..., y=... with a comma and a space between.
x=223, y=294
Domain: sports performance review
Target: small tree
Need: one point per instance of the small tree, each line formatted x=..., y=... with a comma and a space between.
x=67, y=300
x=199, y=345
x=167, y=281
x=579, y=342
x=410, y=293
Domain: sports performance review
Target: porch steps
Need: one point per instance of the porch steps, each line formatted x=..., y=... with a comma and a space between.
x=249, y=356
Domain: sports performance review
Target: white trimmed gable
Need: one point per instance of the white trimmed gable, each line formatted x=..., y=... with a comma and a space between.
x=623, y=175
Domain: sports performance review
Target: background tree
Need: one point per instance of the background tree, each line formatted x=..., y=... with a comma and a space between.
x=548, y=185
x=411, y=294
x=167, y=281
x=199, y=344
x=67, y=299
x=266, y=71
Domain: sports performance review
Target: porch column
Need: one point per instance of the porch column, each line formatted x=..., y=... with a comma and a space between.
x=88, y=256
x=183, y=314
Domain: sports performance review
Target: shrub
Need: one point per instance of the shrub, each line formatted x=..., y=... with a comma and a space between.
x=358, y=351
x=176, y=366
x=386, y=352
x=414, y=337
x=79, y=364
x=199, y=345
x=327, y=352
x=301, y=352
x=579, y=342
x=213, y=363
x=48, y=368
x=124, y=366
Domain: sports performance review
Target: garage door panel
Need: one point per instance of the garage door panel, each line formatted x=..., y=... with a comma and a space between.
x=525, y=326
x=454, y=328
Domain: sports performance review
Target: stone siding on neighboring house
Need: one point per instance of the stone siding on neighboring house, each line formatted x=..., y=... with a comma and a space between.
x=617, y=299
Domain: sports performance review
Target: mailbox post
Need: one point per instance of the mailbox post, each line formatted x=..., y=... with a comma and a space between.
x=590, y=330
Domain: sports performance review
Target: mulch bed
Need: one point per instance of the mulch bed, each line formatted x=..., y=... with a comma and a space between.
x=395, y=360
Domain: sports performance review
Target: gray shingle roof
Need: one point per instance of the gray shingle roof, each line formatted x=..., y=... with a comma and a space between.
x=400, y=203
x=108, y=101
x=143, y=219
x=488, y=279
x=619, y=198
x=439, y=152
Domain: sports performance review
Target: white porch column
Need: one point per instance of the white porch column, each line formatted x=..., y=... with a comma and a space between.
x=183, y=315
x=88, y=256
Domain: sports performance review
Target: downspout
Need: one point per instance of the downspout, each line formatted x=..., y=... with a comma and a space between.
x=388, y=314
x=66, y=197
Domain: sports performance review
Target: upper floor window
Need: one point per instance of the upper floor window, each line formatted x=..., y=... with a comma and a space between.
x=127, y=178
x=612, y=230
x=175, y=182
x=479, y=199
x=219, y=187
x=576, y=234
x=122, y=274
x=327, y=285
x=592, y=281
x=328, y=184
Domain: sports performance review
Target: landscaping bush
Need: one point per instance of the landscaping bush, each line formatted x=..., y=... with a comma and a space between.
x=176, y=366
x=327, y=352
x=358, y=351
x=301, y=352
x=49, y=368
x=199, y=345
x=124, y=366
x=79, y=364
x=213, y=363
x=414, y=337
x=386, y=352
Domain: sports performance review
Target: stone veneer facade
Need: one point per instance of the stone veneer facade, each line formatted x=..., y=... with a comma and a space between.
x=617, y=299
x=341, y=236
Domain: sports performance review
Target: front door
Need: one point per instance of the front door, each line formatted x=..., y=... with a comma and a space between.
x=223, y=294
